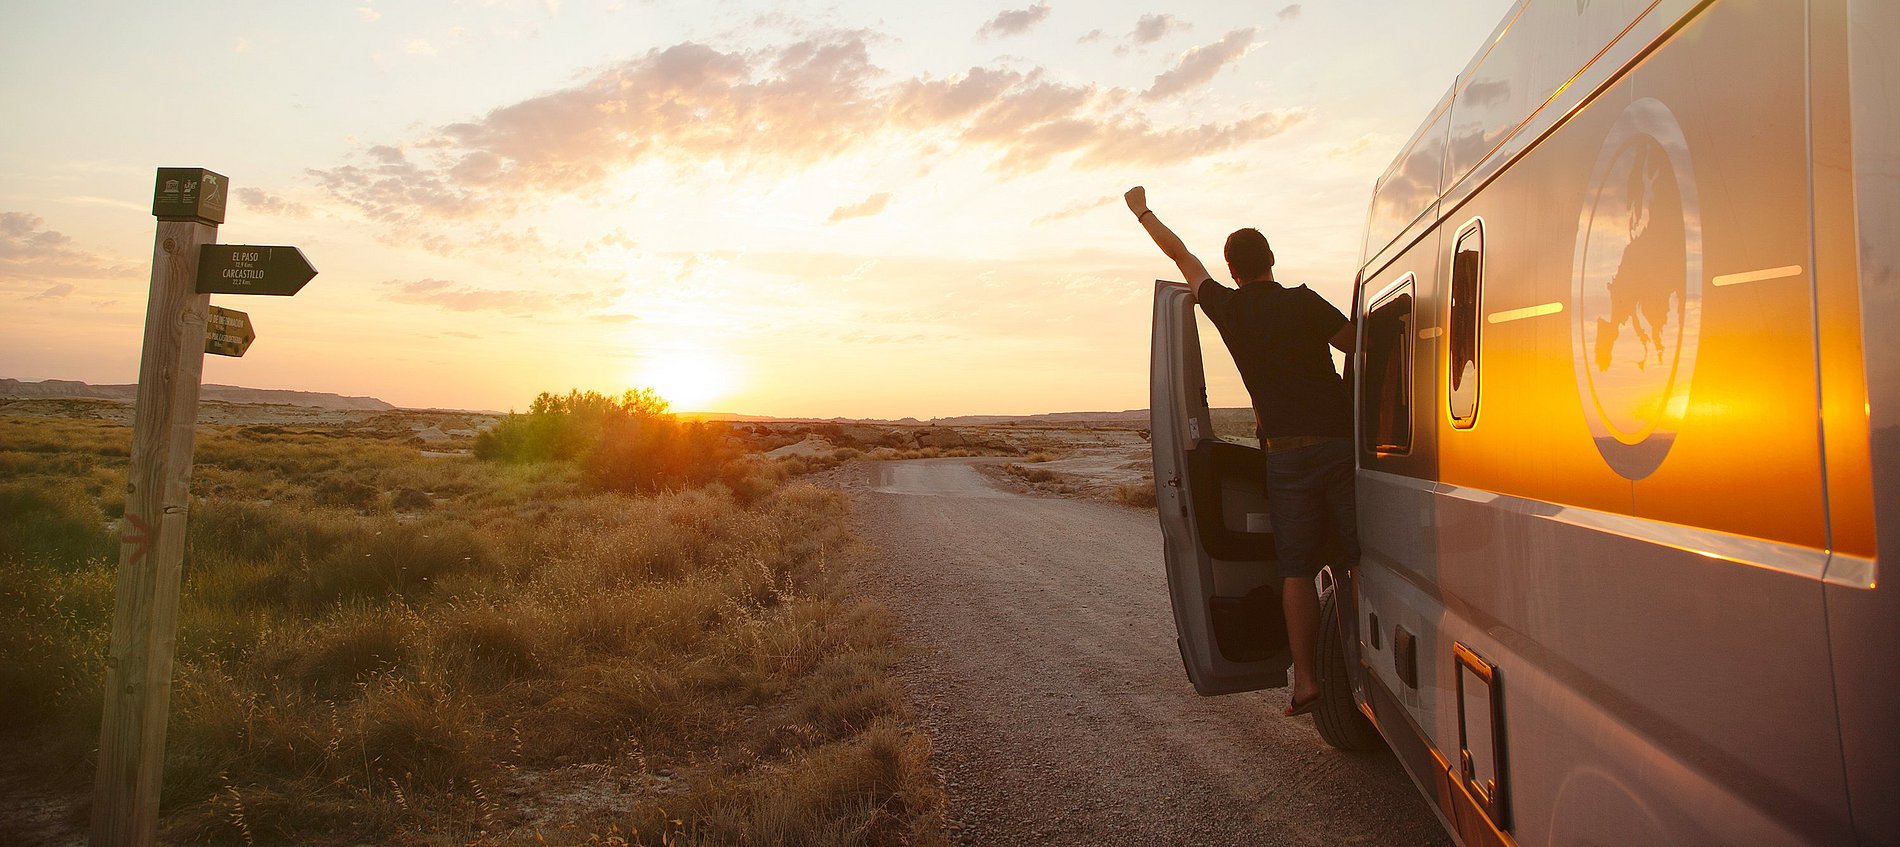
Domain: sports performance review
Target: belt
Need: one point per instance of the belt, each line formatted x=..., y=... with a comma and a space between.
x=1294, y=442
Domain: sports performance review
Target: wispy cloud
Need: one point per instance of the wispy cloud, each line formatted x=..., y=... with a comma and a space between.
x=368, y=13
x=1014, y=22
x=30, y=251
x=1368, y=143
x=1290, y=12
x=768, y=110
x=1200, y=65
x=1076, y=210
x=1153, y=28
x=259, y=200
x=54, y=293
x=419, y=47
x=871, y=206
x=450, y=295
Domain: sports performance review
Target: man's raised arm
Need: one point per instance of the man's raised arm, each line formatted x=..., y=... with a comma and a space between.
x=1192, y=271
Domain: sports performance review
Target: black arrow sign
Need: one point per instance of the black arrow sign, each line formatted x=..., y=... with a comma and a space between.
x=247, y=269
x=228, y=332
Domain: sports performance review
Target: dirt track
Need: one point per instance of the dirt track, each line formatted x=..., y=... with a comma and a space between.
x=1047, y=675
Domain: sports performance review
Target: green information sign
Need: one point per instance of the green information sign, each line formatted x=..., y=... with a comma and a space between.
x=249, y=269
x=228, y=332
x=190, y=194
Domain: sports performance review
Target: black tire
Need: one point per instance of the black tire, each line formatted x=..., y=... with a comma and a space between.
x=1337, y=717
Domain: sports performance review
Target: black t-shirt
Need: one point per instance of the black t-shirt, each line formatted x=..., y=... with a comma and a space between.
x=1280, y=339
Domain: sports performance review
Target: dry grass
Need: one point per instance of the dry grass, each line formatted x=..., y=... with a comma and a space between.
x=1139, y=494
x=380, y=647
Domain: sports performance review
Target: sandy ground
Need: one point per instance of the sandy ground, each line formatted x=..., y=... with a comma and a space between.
x=1046, y=672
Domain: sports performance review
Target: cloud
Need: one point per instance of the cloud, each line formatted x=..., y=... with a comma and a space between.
x=1368, y=143
x=765, y=111
x=259, y=200
x=54, y=293
x=1014, y=22
x=1200, y=65
x=1094, y=35
x=1289, y=13
x=419, y=47
x=29, y=251
x=1153, y=28
x=368, y=13
x=1076, y=210
x=871, y=206
x=447, y=294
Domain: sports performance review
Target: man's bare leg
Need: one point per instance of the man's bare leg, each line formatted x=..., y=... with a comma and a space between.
x=1301, y=600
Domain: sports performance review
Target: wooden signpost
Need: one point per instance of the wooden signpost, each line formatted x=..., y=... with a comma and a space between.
x=189, y=204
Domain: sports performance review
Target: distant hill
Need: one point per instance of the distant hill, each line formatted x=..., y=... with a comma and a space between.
x=1131, y=417
x=212, y=392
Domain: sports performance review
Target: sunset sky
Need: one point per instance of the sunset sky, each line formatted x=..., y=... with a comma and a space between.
x=815, y=209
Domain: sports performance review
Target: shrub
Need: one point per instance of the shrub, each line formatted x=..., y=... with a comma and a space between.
x=628, y=443
x=1141, y=494
x=558, y=427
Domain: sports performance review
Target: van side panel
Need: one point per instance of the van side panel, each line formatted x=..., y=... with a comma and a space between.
x=1865, y=623
x=1837, y=286
x=1747, y=457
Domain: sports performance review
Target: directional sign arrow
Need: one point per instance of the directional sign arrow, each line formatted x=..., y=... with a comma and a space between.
x=247, y=269
x=228, y=332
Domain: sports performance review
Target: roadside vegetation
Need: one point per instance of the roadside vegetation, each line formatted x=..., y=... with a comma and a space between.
x=613, y=627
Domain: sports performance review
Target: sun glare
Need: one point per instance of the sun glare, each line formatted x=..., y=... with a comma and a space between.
x=689, y=380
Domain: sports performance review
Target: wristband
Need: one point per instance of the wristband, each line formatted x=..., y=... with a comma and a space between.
x=1144, y=212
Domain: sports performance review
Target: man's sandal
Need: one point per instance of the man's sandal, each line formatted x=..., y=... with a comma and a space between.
x=1301, y=707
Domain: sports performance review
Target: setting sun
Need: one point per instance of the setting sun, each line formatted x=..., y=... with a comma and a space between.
x=690, y=380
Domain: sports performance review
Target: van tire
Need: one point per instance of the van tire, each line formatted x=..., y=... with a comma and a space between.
x=1337, y=717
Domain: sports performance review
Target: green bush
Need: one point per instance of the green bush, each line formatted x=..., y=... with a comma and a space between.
x=569, y=427
x=628, y=443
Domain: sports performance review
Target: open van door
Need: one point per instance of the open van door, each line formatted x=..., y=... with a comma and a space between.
x=1211, y=497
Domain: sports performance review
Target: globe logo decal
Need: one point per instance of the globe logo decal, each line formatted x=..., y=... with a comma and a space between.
x=1637, y=289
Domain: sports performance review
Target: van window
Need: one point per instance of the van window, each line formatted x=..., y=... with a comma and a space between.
x=1385, y=407
x=1467, y=278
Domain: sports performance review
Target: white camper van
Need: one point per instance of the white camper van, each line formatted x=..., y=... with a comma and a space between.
x=1628, y=390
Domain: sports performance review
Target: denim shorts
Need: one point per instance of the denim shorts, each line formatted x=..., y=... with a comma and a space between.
x=1310, y=494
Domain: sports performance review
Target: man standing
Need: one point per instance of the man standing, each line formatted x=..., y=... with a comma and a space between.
x=1279, y=338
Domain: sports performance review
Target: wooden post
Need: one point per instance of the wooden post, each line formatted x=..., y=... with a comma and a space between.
x=152, y=534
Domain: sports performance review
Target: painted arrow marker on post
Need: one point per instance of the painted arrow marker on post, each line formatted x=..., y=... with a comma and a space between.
x=228, y=332
x=249, y=269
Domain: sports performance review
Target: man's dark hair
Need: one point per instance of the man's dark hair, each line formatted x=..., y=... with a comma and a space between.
x=1248, y=254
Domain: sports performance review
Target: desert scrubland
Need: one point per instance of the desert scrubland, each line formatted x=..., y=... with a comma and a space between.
x=588, y=624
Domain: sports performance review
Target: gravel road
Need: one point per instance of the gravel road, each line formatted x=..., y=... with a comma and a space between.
x=1047, y=675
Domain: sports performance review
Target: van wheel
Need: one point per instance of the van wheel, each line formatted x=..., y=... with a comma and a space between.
x=1337, y=717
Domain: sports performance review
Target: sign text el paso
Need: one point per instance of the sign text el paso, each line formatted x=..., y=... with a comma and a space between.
x=249, y=269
